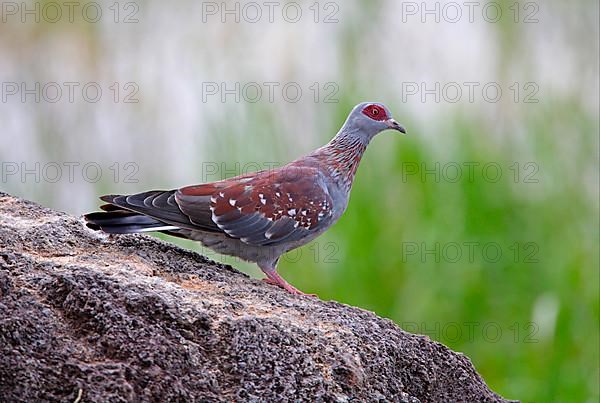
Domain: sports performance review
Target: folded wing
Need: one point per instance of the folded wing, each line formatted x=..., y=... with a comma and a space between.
x=266, y=209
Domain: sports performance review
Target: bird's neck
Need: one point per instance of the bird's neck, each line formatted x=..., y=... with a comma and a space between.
x=342, y=156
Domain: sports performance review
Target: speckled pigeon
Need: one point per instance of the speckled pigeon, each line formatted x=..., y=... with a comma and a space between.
x=261, y=215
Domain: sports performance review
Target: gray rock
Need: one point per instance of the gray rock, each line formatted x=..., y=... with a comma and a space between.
x=88, y=318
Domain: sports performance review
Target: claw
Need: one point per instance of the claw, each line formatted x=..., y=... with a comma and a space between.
x=277, y=280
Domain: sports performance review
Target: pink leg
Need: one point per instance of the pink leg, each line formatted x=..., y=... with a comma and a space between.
x=274, y=278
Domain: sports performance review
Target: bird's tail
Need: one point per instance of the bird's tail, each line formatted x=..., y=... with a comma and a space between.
x=114, y=220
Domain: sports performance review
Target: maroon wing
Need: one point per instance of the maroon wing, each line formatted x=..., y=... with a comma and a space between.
x=266, y=208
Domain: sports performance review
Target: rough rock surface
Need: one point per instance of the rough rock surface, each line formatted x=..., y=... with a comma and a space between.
x=87, y=318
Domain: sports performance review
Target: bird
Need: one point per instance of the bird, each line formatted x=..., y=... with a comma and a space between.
x=258, y=216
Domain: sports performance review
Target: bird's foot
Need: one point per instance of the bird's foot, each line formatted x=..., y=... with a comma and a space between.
x=280, y=282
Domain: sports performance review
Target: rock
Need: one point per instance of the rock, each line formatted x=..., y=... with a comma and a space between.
x=84, y=317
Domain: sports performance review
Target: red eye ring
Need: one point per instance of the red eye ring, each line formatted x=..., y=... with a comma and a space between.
x=375, y=112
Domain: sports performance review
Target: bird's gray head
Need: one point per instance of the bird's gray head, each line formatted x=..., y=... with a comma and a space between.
x=368, y=119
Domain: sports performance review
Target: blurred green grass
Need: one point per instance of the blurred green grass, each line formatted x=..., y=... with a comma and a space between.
x=544, y=300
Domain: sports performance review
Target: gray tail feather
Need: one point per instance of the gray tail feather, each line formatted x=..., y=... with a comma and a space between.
x=118, y=221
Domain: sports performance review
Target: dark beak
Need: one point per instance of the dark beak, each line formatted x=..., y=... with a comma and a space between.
x=392, y=124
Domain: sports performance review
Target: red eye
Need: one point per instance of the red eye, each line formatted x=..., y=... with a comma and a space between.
x=375, y=112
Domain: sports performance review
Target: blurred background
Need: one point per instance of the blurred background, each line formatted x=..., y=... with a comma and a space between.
x=479, y=228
